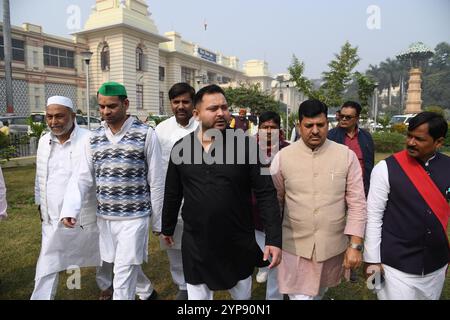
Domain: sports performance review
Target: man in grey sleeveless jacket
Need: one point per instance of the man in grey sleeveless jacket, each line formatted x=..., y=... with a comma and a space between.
x=123, y=159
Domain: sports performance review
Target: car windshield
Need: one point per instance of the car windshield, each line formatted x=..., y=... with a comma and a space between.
x=81, y=120
x=38, y=118
x=19, y=121
x=397, y=119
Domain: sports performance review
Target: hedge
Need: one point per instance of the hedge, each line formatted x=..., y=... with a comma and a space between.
x=389, y=142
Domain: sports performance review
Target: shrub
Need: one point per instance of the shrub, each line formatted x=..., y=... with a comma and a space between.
x=400, y=128
x=388, y=142
x=36, y=128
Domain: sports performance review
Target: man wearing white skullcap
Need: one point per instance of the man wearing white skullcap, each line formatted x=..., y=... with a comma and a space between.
x=58, y=155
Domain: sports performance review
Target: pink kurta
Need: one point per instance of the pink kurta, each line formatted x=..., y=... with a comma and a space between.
x=298, y=275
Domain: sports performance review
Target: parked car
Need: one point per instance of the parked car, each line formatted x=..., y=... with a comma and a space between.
x=401, y=118
x=39, y=117
x=95, y=122
x=16, y=123
x=332, y=120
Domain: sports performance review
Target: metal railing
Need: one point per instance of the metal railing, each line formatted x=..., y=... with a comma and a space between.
x=20, y=145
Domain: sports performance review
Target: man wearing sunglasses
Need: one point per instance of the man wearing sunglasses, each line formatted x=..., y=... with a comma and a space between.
x=357, y=139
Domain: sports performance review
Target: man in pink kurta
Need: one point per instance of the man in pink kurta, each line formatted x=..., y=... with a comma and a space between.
x=321, y=193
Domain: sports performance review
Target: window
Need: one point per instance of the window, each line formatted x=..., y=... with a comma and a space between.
x=161, y=103
x=37, y=102
x=187, y=75
x=139, y=96
x=35, y=58
x=139, y=59
x=105, y=58
x=57, y=57
x=226, y=80
x=212, y=77
x=162, y=73
x=18, y=49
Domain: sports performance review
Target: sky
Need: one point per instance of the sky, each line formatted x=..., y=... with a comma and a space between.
x=274, y=30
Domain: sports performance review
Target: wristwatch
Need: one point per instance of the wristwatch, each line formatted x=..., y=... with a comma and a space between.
x=358, y=247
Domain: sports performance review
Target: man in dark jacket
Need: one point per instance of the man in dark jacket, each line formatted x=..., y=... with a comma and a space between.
x=357, y=139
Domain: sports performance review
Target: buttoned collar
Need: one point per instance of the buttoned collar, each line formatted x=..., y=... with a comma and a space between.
x=318, y=150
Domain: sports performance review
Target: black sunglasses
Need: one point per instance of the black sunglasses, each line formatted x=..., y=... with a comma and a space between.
x=347, y=117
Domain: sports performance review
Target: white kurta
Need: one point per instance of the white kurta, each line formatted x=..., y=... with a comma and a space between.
x=169, y=132
x=3, y=204
x=62, y=247
x=134, y=250
x=398, y=285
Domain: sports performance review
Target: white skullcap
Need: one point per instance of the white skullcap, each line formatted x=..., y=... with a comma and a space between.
x=63, y=101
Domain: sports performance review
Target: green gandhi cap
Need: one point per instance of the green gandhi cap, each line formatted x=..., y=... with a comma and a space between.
x=112, y=89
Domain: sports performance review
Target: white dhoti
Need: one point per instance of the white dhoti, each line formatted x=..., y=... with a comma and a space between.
x=272, y=292
x=124, y=243
x=175, y=256
x=242, y=291
x=403, y=286
x=63, y=249
x=104, y=278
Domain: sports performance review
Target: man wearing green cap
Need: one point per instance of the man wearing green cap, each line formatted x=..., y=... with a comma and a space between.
x=124, y=160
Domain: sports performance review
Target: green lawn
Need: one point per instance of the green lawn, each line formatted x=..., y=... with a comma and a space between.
x=20, y=244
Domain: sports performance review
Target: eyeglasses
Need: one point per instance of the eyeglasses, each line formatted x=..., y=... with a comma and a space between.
x=342, y=117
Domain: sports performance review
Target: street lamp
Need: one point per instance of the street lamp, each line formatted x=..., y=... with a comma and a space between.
x=87, y=55
x=375, y=105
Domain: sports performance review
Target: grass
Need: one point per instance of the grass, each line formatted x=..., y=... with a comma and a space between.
x=20, y=237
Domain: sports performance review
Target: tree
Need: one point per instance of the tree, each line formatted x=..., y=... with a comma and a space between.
x=366, y=86
x=392, y=70
x=336, y=80
x=389, y=74
x=296, y=70
x=436, y=78
x=250, y=96
x=340, y=74
x=436, y=109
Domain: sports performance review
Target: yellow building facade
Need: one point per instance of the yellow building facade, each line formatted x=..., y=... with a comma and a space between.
x=128, y=48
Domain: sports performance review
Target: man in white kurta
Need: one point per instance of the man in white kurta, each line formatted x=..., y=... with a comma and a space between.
x=407, y=238
x=3, y=205
x=181, y=97
x=58, y=154
x=123, y=161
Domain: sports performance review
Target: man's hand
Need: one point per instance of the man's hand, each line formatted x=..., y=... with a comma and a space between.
x=168, y=239
x=69, y=222
x=352, y=259
x=275, y=254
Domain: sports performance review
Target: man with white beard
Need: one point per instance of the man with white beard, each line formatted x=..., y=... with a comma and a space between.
x=58, y=154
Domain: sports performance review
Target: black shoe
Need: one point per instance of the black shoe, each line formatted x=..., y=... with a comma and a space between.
x=354, y=276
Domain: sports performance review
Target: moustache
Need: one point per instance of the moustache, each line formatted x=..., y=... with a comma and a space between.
x=411, y=148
